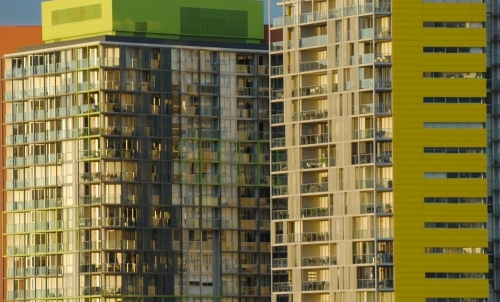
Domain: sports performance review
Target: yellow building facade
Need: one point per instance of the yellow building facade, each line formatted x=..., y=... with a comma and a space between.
x=378, y=149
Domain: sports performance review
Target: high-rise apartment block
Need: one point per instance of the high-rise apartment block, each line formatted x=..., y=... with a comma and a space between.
x=137, y=154
x=378, y=151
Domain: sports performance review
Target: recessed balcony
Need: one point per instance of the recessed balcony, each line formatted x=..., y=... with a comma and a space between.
x=280, y=190
x=366, y=283
x=314, y=188
x=315, y=285
x=310, y=90
x=363, y=234
x=383, y=83
x=362, y=134
x=313, y=65
x=315, y=212
x=366, y=33
x=385, y=233
x=310, y=115
x=319, y=261
x=314, y=41
x=383, y=133
x=280, y=214
x=282, y=287
x=363, y=258
x=382, y=33
x=277, y=46
x=318, y=163
x=314, y=139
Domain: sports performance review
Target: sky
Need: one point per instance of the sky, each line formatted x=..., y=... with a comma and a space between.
x=27, y=12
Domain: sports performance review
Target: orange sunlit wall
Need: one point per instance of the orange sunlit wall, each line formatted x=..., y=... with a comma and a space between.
x=12, y=38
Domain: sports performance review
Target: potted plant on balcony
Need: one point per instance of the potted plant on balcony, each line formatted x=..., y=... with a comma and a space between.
x=324, y=160
x=388, y=208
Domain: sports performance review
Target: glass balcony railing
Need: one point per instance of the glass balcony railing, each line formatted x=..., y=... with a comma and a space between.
x=277, y=46
x=383, y=83
x=366, y=58
x=385, y=284
x=276, y=70
x=366, y=33
x=315, y=212
x=280, y=190
x=277, y=22
x=315, y=285
x=383, y=33
x=366, y=84
x=383, y=7
x=383, y=108
x=350, y=10
x=313, y=65
x=362, y=159
x=314, y=41
x=363, y=234
x=385, y=258
x=363, y=258
x=335, y=13
x=314, y=139
x=366, y=283
x=383, y=58
x=277, y=118
x=383, y=133
x=278, y=142
x=310, y=115
x=314, y=187
x=366, y=8
x=277, y=94
x=282, y=287
x=316, y=163
x=280, y=262
x=280, y=214
x=385, y=233
x=362, y=134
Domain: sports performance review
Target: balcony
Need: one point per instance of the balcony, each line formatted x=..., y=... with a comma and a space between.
x=277, y=118
x=310, y=115
x=383, y=184
x=310, y=90
x=315, y=285
x=318, y=163
x=383, y=133
x=280, y=214
x=383, y=7
x=314, y=139
x=383, y=33
x=314, y=188
x=278, y=142
x=385, y=284
x=385, y=258
x=383, y=58
x=363, y=234
x=276, y=70
x=313, y=65
x=366, y=283
x=366, y=33
x=362, y=134
x=277, y=94
x=363, y=258
x=383, y=108
x=362, y=159
x=277, y=46
x=366, y=84
x=282, y=287
x=383, y=158
x=314, y=41
x=385, y=233
x=367, y=58
x=315, y=212
x=280, y=190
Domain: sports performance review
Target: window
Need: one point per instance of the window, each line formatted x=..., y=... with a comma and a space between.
x=454, y=175
x=455, y=75
x=454, y=225
x=454, y=100
x=455, y=200
x=455, y=250
x=455, y=24
x=464, y=125
x=453, y=150
x=454, y=275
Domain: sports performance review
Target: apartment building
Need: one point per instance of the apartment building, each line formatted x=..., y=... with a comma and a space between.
x=137, y=154
x=11, y=38
x=378, y=151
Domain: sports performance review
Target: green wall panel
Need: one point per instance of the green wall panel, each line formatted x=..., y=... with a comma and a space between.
x=237, y=20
